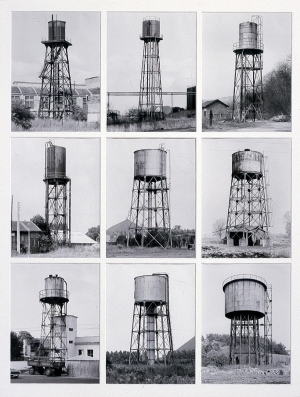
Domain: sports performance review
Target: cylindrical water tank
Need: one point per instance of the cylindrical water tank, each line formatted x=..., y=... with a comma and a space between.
x=151, y=27
x=56, y=30
x=150, y=289
x=150, y=163
x=247, y=161
x=248, y=35
x=244, y=293
x=55, y=291
x=56, y=162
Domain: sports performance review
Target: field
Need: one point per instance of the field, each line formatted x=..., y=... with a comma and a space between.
x=118, y=251
x=244, y=374
x=158, y=374
x=258, y=126
x=58, y=125
x=213, y=248
x=65, y=252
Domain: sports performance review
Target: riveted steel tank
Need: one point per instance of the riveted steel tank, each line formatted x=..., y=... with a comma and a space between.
x=150, y=163
x=248, y=161
x=56, y=162
x=56, y=30
x=55, y=291
x=244, y=293
x=150, y=289
x=151, y=27
x=248, y=35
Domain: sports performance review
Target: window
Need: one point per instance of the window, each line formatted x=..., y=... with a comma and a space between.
x=70, y=341
x=80, y=352
x=84, y=105
x=29, y=101
x=90, y=353
x=15, y=97
x=70, y=329
x=74, y=101
x=204, y=113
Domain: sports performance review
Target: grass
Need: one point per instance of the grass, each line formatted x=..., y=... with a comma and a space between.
x=65, y=252
x=158, y=374
x=58, y=125
x=118, y=251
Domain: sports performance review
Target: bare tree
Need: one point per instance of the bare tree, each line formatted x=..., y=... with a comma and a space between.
x=219, y=227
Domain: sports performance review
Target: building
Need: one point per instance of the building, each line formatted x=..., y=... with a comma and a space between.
x=87, y=96
x=28, y=232
x=218, y=108
x=191, y=98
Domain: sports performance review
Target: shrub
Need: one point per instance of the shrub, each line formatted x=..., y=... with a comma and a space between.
x=78, y=113
x=21, y=115
x=121, y=240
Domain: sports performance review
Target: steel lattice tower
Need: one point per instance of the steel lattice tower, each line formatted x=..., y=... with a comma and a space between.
x=149, y=212
x=151, y=336
x=58, y=194
x=248, y=209
x=248, y=84
x=150, y=98
x=56, y=91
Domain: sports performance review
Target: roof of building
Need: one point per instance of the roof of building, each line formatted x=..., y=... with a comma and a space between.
x=87, y=340
x=189, y=345
x=80, y=238
x=209, y=103
x=24, y=226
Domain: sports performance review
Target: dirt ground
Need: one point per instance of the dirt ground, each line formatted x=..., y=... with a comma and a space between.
x=244, y=374
x=213, y=248
x=115, y=251
x=258, y=126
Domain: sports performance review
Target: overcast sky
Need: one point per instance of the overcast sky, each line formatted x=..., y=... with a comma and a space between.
x=120, y=172
x=221, y=30
x=83, y=167
x=27, y=280
x=125, y=50
x=28, y=53
x=120, y=302
x=213, y=298
x=216, y=177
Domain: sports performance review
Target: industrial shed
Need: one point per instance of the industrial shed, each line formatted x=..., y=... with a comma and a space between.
x=218, y=108
x=28, y=232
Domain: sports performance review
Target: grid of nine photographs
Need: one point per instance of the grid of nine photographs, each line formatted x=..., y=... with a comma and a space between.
x=150, y=243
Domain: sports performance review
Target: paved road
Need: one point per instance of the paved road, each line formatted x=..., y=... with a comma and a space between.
x=26, y=378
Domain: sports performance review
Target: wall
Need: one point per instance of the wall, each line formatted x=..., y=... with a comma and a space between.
x=83, y=368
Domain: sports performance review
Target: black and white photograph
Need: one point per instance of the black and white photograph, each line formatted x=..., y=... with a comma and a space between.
x=151, y=71
x=151, y=198
x=55, y=71
x=251, y=184
x=150, y=323
x=55, y=197
x=246, y=323
x=246, y=71
x=54, y=323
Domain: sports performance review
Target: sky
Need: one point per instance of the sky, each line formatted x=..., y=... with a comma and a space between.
x=125, y=50
x=83, y=167
x=216, y=177
x=28, y=53
x=221, y=30
x=119, y=178
x=120, y=301
x=27, y=280
x=213, y=299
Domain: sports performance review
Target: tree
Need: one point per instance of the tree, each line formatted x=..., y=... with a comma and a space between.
x=39, y=221
x=94, y=233
x=78, y=113
x=21, y=114
x=219, y=227
x=288, y=223
x=277, y=89
x=16, y=346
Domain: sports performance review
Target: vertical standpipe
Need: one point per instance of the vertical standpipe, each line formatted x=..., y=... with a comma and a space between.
x=150, y=212
x=151, y=336
x=150, y=98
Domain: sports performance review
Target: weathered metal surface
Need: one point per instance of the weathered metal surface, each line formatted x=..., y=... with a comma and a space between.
x=247, y=161
x=56, y=162
x=150, y=163
x=150, y=289
x=56, y=30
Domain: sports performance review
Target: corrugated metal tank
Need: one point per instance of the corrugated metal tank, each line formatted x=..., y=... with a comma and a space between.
x=248, y=35
x=56, y=30
x=56, y=162
x=150, y=289
x=151, y=27
x=55, y=290
x=247, y=161
x=245, y=293
x=150, y=163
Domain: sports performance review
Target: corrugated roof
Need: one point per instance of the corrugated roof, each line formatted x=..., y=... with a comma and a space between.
x=80, y=238
x=27, y=90
x=15, y=90
x=94, y=91
x=24, y=226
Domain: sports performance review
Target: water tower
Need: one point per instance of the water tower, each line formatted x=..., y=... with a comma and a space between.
x=150, y=99
x=58, y=194
x=56, y=90
x=248, y=84
x=248, y=299
x=248, y=218
x=151, y=336
x=149, y=212
x=53, y=344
